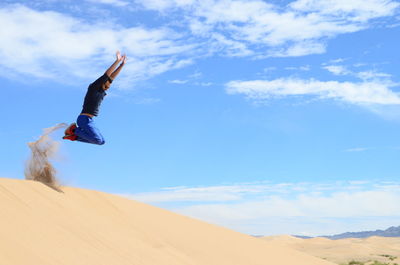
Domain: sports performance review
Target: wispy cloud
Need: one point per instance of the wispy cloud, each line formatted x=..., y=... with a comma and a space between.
x=370, y=75
x=250, y=191
x=178, y=81
x=162, y=5
x=119, y=3
x=298, y=49
x=338, y=205
x=300, y=28
x=338, y=60
x=300, y=68
x=355, y=93
x=337, y=69
x=357, y=149
x=254, y=207
x=52, y=44
x=359, y=9
x=192, y=80
x=387, y=109
x=184, y=194
x=342, y=70
x=49, y=44
x=196, y=75
x=205, y=84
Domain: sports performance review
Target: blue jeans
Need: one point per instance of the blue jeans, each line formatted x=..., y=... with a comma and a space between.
x=87, y=132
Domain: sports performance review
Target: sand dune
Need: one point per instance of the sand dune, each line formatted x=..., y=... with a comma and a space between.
x=39, y=225
x=342, y=251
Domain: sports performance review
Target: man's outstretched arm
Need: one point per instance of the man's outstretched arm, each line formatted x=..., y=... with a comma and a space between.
x=116, y=72
x=111, y=69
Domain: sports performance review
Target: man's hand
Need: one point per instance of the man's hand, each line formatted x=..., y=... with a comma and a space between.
x=123, y=59
x=119, y=57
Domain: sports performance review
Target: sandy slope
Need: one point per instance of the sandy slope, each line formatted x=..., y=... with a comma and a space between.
x=344, y=250
x=81, y=227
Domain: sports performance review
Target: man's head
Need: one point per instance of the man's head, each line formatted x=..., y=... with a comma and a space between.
x=107, y=84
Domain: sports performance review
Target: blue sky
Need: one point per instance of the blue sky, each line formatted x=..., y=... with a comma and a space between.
x=267, y=117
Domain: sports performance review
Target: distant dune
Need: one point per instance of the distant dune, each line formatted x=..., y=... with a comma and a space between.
x=342, y=251
x=40, y=226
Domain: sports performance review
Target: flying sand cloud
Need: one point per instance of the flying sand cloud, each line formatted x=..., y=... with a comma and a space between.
x=39, y=166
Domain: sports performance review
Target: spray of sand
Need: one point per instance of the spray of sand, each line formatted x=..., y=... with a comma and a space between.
x=39, y=167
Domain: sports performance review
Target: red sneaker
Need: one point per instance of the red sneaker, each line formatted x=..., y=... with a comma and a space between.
x=70, y=137
x=71, y=129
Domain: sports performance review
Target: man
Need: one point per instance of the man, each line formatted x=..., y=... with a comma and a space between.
x=84, y=130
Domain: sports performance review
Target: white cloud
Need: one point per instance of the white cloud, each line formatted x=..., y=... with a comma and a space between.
x=388, y=112
x=360, y=10
x=177, y=81
x=162, y=5
x=297, y=29
x=274, y=208
x=337, y=69
x=360, y=64
x=203, y=83
x=213, y=193
x=364, y=75
x=269, y=69
x=339, y=60
x=356, y=149
x=191, y=80
x=119, y=3
x=54, y=45
x=301, y=68
x=49, y=44
x=230, y=47
x=338, y=205
x=260, y=190
x=186, y=195
x=196, y=75
x=259, y=23
x=299, y=49
x=355, y=93
x=371, y=75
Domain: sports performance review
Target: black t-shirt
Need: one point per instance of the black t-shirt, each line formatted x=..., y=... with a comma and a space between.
x=94, y=96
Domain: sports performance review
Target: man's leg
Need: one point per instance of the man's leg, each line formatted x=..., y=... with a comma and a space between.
x=87, y=132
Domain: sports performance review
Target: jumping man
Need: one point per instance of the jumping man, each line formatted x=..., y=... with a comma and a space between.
x=84, y=130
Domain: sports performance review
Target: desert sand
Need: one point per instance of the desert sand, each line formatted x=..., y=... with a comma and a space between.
x=342, y=251
x=40, y=226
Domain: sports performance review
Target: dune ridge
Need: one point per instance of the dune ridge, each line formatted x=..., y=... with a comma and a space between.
x=84, y=227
